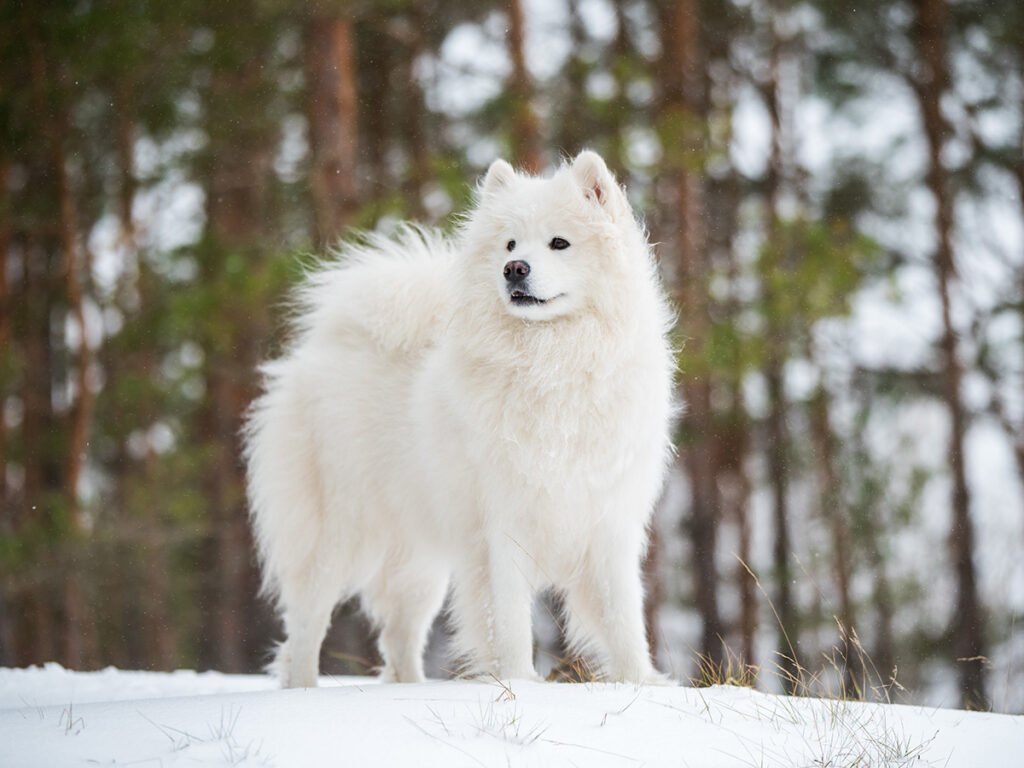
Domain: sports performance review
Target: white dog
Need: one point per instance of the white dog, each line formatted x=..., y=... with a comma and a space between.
x=491, y=410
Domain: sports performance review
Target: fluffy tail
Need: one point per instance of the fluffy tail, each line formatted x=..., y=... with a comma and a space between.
x=396, y=289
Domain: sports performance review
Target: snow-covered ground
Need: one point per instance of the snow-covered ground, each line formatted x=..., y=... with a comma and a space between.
x=52, y=717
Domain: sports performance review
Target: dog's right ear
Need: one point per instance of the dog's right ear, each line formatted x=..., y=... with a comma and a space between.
x=499, y=175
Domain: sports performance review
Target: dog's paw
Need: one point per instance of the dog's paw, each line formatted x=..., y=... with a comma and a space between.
x=647, y=676
x=659, y=679
x=520, y=678
x=529, y=676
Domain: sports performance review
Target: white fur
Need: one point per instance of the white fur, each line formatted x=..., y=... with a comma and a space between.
x=423, y=430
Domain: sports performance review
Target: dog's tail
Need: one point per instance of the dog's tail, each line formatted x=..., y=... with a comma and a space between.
x=397, y=289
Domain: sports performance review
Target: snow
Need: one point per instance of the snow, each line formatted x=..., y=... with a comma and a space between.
x=53, y=717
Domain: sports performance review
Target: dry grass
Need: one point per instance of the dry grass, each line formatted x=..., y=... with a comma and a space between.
x=839, y=730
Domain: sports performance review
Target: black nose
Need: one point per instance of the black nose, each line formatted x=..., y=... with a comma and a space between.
x=516, y=271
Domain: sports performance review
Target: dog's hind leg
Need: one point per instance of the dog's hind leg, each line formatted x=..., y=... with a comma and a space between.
x=306, y=614
x=403, y=603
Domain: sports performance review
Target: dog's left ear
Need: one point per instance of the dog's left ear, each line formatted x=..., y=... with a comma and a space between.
x=598, y=184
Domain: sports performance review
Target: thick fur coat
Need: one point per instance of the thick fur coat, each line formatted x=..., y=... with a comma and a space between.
x=488, y=413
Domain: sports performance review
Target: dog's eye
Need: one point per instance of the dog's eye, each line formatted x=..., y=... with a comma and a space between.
x=510, y=245
x=558, y=244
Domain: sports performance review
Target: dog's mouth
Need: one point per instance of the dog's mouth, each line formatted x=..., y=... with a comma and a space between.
x=524, y=299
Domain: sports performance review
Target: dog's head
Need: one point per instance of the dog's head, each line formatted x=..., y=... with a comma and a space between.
x=551, y=247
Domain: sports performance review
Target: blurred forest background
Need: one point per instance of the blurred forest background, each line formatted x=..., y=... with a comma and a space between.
x=836, y=190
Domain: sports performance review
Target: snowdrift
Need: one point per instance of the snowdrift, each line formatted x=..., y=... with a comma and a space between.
x=53, y=717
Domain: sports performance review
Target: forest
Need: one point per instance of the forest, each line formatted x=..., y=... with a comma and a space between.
x=836, y=191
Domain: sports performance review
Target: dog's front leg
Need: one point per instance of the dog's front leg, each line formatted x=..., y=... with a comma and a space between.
x=511, y=601
x=492, y=612
x=605, y=606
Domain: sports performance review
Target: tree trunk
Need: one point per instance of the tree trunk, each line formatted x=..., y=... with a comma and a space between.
x=6, y=523
x=654, y=589
x=160, y=642
x=229, y=549
x=573, y=130
x=53, y=115
x=39, y=642
x=778, y=450
x=734, y=489
x=333, y=128
x=733, y=441
x=125, y=148
x=526, y=140
x=10, y=603
x=621, y=53
x=777, y=430
x=379, y=53
x=80, y=648
x=745, y=580
x=78, y=630
x=871, y=534
x=414, y=112
x=1012, y=428
x=883, y=656
x=1016, y=436
x=683, y=115
x=1019, y=173
x=81, y=407
x=968, y=627
x=237, y=204
x=834, y=511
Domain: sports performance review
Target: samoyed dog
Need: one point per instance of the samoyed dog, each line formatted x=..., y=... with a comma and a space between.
x=489, y=413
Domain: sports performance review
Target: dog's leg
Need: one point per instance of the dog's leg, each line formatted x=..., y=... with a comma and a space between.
x=404, y=606
x=511, y=617
x=492, y=610
x=605, y=611
x=306, y=619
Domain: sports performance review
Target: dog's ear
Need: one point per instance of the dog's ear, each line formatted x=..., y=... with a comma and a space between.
x=499, y=175
x=598, y=184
